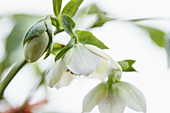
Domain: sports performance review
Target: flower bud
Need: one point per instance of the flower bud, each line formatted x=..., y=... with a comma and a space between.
x=38, y=40
x=36, y=47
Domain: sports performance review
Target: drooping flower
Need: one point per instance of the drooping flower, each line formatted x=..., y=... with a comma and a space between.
x=38, y=40
x=79, y=60
x=114, y=100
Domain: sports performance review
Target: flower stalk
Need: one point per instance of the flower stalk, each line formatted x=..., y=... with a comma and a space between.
x=110, y=81
x=75, y=37
x=10, y=76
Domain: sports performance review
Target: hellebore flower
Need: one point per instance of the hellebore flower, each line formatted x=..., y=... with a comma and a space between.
x=38, y=40
x=114, y=100
x=79, y=60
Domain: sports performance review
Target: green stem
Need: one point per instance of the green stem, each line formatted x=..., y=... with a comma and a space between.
x=58, y=31
x=10, y=76
x=110, y=81
x=75, y=37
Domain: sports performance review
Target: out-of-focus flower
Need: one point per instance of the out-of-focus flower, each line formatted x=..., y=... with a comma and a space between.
x=26, y=108
x=114, y=100
x=79, y=60
x=38, y=40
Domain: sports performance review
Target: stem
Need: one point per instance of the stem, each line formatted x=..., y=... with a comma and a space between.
x=110, y=81
x=58, y=31
x=75, y=37
x=10, y=76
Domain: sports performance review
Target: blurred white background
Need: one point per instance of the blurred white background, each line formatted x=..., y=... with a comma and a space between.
x=125, y=42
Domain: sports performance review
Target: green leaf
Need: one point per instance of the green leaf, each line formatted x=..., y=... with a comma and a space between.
x=68, y=24
x=101, y=19
x=56, y=48
x=127, y=65
x=156, y=35
x=90, y=10
x=54, y=21
x=57, y=7
x=71, y=7
x=141, y=19
x=65, y=49
x=86, y=37
x=93, y=9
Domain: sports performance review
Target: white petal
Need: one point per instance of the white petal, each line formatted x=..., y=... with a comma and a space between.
x=132, y=97
x=111, y=104
x=94, y=97
x=99, y=52
x=65, y=80
x=54, y=74
x=96, y=50
x=83, y=61
x=114, y=64
x=102, y=71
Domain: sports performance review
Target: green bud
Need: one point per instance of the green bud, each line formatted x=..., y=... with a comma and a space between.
x=38, y=40
x=35, y=48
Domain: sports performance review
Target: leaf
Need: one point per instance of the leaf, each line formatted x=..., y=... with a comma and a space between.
x=141, y=19
x=94, y=9
x=57, y=7
x=86, y=37
x=90, y=10
x=101, y=19
x=127, y=65
x=71, y=7
x=56, y=48
x=68, y=24
x=54, y=21
x=156, y=35
x=65, y=49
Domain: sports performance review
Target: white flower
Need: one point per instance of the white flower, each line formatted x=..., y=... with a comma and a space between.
x=79, y=60
x=114, y=101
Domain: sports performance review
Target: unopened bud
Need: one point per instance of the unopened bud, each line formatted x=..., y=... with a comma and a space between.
x=35, y=48
x=38, y=40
